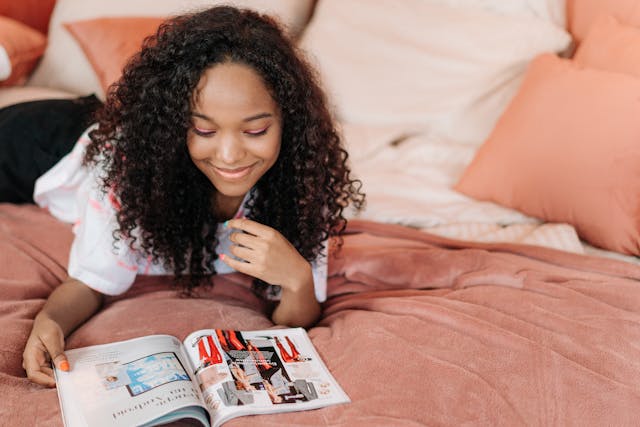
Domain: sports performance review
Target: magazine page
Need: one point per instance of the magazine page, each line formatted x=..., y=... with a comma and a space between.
x=128, y=383
x=259, y=372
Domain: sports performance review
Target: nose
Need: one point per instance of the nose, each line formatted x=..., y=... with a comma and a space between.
x=230, y=149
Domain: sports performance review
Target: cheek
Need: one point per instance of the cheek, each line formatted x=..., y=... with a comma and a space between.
x=272, y=149
x=197, y=150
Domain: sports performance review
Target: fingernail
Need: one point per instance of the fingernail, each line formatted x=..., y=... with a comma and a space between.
x=222, y=257
x=64, y=366
x=226, y=224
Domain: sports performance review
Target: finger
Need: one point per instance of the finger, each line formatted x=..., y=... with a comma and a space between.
x=55, y=347
x=34, y=355
x=37, y=367
x=42, y=375
x=245, y=254
x=62, y=363
x=47, y=369
x=249, y=226
x=42, y=378
x=241, y=266
x=245, y=239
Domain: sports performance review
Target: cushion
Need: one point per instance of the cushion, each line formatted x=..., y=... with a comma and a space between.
x=581, y=14
x=34, y=13
x=424, y=64
x=65, y=67
x=20, y=49
x=17, y=94
x=610, y=45
x=566, y=150
x=109, y=42
x=549, y=10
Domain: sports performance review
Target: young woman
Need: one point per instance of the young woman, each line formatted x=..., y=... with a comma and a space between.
x=215, y=152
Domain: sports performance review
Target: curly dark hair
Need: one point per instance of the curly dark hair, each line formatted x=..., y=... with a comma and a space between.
x=141, y=142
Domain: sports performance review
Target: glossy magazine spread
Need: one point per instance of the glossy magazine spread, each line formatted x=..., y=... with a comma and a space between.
x=212, y=376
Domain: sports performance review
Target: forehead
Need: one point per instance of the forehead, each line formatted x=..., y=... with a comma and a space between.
x=232, y=87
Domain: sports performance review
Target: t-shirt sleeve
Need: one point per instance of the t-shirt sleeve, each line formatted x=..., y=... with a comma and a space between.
x=97, y=259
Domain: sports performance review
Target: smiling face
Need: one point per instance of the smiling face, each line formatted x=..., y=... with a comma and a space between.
x=236, y=129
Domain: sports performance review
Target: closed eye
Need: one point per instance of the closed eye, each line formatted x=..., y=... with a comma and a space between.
x=258, y=132
x=203, y=132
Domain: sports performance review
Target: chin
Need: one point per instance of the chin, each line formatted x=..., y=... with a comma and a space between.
x=228, y=190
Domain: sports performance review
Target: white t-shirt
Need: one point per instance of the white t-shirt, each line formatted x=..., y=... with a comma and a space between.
x=72, y=194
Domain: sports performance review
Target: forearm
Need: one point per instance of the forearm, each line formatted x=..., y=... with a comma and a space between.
x=298, y=305
x=71, y=304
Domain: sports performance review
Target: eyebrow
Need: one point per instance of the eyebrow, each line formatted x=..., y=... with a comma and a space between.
x=247, y=119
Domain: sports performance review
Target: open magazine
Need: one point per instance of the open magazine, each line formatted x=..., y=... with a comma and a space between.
x=212, y=376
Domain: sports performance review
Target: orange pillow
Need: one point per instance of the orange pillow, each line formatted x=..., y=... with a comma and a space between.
x=34, y=13
x=612, y=46
x=581, y=14
x=567, y=149
x=109, y=42
x=20, y=49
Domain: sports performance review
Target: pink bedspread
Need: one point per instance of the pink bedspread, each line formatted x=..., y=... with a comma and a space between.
x=419, y=330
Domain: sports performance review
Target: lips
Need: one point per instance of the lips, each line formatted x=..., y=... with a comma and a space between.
x=235, y=173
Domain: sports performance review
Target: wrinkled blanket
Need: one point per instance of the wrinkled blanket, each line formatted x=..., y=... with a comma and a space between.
x=418, y=329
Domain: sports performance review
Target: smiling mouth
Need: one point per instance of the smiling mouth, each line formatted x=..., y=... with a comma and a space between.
x=236, y=173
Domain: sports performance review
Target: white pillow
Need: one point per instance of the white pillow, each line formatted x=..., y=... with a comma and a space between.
x=5, y=64
x=64, y=65
x=548, y=10
x=16, y=94
x=424, y=64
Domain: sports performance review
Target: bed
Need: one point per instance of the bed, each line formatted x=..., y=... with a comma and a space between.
x=473, y=290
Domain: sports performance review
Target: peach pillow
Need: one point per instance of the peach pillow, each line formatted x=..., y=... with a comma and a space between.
x=612, y=46
x=20, y=49
x=567, y=149
x=581, y=14
x=108, y=43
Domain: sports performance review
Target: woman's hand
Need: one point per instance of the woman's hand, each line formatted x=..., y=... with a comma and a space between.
x=68, y=306
x=267, y=255
x=45, y=344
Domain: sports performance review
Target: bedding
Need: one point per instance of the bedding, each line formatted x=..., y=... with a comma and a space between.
x=418, y=329
x=412, y=137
